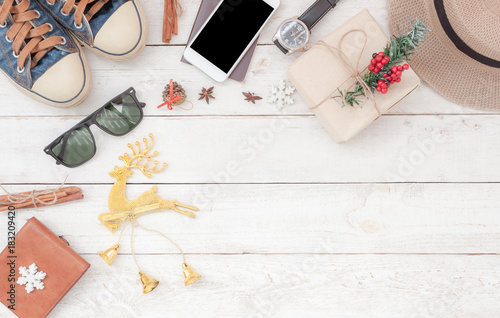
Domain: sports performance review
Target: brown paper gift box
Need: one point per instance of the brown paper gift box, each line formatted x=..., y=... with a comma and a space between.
x=35, y=243
x=319, y=72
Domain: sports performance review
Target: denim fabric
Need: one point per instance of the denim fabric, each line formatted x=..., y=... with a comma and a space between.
x=88, y=30
x=102, y=16
x=8, y=63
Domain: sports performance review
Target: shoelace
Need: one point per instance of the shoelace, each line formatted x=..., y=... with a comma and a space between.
x=22, y=31
x=80, y=7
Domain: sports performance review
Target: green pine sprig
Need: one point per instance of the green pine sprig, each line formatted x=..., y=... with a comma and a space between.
x=399, y=49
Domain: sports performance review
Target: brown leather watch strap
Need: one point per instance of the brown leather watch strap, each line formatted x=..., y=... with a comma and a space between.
x=316, y=12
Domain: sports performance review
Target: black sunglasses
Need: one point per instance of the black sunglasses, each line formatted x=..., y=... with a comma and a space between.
x=117, y=117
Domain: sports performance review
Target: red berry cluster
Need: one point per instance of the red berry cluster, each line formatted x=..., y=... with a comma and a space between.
x=378, y=62
x=391, y=76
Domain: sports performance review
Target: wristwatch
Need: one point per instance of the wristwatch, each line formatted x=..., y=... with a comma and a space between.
x=293, y=34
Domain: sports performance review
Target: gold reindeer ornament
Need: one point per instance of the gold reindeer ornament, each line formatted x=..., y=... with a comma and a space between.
x=120, y=207
x=122, y=210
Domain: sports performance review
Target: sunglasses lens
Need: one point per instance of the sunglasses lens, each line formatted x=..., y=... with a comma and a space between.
x=75, y=147
x=120, y=116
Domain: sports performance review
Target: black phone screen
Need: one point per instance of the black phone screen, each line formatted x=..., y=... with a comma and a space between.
x=230, y=30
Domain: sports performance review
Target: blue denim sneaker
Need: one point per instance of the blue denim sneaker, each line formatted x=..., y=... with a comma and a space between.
x=39, y=57
x=115, y=29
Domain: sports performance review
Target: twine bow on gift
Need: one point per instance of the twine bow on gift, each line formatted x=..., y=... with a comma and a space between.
x=356, y=74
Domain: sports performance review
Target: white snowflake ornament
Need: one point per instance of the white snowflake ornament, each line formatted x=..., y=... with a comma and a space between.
x=281, y=94
x=31, y=277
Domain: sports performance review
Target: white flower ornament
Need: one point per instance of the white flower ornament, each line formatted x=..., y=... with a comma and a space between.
x=31, y=277
x=281, y=94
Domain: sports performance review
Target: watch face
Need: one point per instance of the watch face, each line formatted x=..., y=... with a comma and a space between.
x=293, y=34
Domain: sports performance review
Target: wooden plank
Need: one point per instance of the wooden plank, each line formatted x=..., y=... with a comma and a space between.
x=270, y=150
x=152, y=70
x=290, y=286
x=308, y=218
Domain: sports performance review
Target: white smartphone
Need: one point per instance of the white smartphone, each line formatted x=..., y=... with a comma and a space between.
x=227, y=35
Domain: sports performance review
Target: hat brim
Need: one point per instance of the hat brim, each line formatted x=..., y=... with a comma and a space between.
x=441, y=64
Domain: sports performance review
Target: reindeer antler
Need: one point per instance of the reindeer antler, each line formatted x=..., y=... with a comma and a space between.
x=135, y=160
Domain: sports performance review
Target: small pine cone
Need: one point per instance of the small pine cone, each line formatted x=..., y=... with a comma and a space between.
x=177, y=91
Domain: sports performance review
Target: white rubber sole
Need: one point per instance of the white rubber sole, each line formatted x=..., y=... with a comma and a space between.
x=138, y=49
x=74, y=102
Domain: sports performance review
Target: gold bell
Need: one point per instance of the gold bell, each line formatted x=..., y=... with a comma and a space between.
x=190, y=276
x=148, y=284
x=109, y=255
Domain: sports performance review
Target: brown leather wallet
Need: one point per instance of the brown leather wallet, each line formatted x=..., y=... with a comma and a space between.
x=35, y=243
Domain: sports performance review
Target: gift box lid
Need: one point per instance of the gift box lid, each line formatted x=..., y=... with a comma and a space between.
x=63, y=267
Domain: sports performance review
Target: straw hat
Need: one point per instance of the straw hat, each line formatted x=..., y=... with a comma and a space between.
x=460, y=58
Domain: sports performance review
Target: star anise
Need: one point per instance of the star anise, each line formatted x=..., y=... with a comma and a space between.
x=251, y=97
x=207, y=94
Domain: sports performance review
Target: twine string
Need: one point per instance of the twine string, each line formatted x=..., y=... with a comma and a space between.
x=134, y=222
x=186, y=101
x=162, y=234
x=132, y=246
x=131, y=216
x=121, y=233
x=17, y=198
x=178, y=8
x=353, y=69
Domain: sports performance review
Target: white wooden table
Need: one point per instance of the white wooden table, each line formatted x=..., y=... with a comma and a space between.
x=303, y=227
